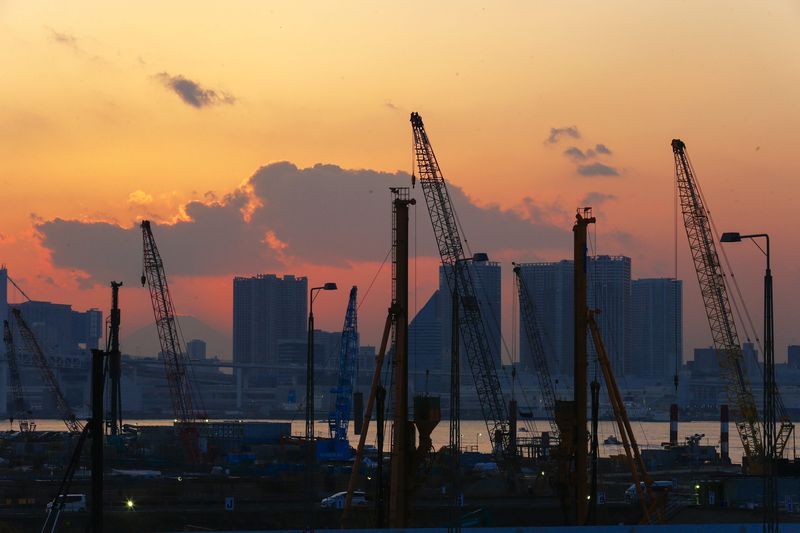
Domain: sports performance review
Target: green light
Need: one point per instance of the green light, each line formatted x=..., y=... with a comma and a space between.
x=697, y=487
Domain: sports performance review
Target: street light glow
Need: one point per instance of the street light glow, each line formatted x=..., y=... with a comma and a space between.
x=129, y=504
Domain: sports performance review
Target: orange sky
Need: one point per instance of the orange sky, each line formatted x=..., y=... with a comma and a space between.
x=89, y=130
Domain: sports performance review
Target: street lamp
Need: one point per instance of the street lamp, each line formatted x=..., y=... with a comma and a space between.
x=770, y=481
x=477, y=442
x=311, y=452
x=313, y=293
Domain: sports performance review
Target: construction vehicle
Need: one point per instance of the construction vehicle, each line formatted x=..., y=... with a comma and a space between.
x=459, y=281
x=533, y=333
x=339, y=418
x=20, y=413
x=31, y=345
x=711, y=276
x=172, y=347
x=653, y=502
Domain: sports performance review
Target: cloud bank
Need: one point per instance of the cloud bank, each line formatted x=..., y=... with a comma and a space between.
x=323, y=215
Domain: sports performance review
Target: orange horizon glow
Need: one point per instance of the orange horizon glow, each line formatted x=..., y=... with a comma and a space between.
x=91, y=130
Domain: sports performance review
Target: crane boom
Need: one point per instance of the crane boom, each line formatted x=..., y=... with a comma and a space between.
x=348, y=353
x=652, y=506
x=533, y=333
x=711, y=277
x=21, y=414
x=459, y=281
x=31, y=345
x=175, y=361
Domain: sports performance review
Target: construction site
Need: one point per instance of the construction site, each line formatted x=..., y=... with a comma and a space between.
x=215, y=475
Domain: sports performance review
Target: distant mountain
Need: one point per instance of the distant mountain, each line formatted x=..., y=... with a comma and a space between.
x=144, y=341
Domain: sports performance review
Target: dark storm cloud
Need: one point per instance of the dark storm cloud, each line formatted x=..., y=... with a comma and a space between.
x=324, y=215
x=557, y=133
x=192, y=93
x=597, y=169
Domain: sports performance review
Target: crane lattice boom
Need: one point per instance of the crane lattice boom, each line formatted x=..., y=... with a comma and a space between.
x=175, y=361
x=459, y=281
x=21, y=414
x=31, y=345
x=348, y=353
x=533, y=333
x=711, y=277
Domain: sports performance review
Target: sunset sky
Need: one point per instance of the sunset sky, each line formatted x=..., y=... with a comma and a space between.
x=267, y=133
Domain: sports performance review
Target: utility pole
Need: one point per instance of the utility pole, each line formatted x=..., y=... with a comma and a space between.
x=402, y=445
x=582, y=221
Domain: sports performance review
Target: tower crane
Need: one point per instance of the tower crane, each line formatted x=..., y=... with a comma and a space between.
x=533, y=333
x=697, y=221
x=172, y=346
x=348, y=353
x=22, y=415
x=31, y=345
x=459, y=282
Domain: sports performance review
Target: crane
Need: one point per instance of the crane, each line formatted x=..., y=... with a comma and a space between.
x=459, y=282
x=711, y=277
x=534, y=335
x=175, y=361
x=652, y=504
x=348, y=353
x=31, y=345
x=22, y=415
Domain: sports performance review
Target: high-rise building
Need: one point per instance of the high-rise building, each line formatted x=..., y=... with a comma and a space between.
x=196, y=350
x=793, y=356
x=656, y=348
x=60, y=331
x=266, y=310
x=486, y=281
x=551, y=291
x=425, y=351
x=609, y=288
x=552, y=288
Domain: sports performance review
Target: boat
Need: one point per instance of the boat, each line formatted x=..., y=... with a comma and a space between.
x=612, y=441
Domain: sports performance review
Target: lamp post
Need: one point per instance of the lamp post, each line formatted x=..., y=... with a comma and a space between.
x=310, y=360
x=310, y=452
x=477, y=441
x=770, y=479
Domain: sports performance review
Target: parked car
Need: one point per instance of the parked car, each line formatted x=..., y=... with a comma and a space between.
x=336, y=501
x=72, y=503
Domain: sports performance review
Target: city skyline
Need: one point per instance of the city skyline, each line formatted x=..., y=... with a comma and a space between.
x=184, y=123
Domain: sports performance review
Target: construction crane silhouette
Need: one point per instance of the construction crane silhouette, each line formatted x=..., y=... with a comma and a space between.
x=459, y=282
x=172, y=347
x=31, y=345
x=339, y=419
x=697, y=221
x=21, y=414
x=533, y=333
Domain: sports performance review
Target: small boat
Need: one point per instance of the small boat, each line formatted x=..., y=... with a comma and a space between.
x=523, y=430
x=612, y=441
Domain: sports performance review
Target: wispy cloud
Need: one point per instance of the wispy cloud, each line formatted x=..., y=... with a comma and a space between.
x=595, y=198
x=192, y=93
x=63, y=38
x=557, y=133
x=597, y=169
